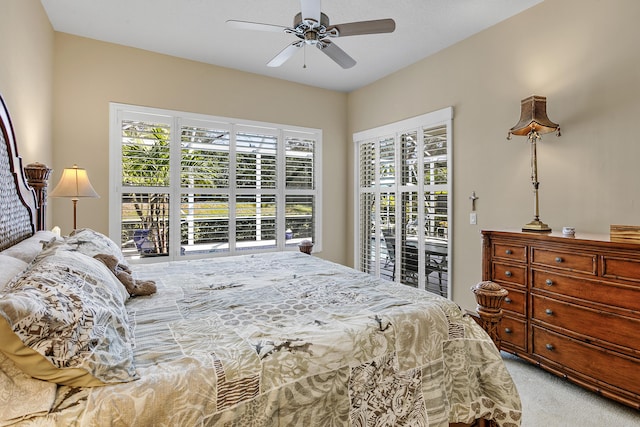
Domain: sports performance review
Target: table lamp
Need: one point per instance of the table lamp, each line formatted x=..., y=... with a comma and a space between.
x=534, y=122
x=74, y=184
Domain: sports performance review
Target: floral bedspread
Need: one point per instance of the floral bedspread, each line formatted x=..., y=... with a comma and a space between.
x=287, y=339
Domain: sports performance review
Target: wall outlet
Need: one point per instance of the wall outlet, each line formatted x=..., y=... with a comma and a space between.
x=473, y=218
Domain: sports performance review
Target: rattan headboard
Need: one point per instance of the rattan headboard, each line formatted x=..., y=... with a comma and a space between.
x=18, y=202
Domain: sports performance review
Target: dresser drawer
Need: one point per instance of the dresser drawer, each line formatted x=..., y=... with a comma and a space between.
x=514, y=332
x=597, y=325
x=576, y=262
x=621, y=268
x=602, y=365
x=509, y=251
x=513, y=274
x=515, y=301
x=623, y=295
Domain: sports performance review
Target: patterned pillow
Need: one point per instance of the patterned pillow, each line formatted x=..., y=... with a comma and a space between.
x=64, y=321
x=91, y=243
x=55, y=247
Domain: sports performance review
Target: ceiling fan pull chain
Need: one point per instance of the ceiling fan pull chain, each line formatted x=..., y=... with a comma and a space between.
x=304, y=55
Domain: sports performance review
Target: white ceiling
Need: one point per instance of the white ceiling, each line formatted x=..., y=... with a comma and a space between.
x=196, y=30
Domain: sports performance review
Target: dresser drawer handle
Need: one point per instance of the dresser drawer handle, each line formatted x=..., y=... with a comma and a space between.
x=550, y=347
x=548, y=311
x=549, y=282
x=508, y=273
x=559, y=259
x=507, y=330
x=507, y=300
x=508, y=252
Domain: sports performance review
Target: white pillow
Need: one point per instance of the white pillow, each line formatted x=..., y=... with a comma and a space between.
x=29, y=248
x=10, y=267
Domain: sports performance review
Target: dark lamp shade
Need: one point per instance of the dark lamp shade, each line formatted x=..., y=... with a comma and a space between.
x=74, y=184
x=533, y=117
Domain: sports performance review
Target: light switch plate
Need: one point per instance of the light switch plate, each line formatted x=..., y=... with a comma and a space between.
x=473, y=218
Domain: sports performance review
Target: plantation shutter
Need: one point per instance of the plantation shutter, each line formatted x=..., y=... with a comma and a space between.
x=145, y=180
x=403, y=201
x=300, y=152
x=436, y=187
x=189, y=185
x=368, y=257
x=204, y=187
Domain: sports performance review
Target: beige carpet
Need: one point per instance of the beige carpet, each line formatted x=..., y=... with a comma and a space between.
x=550, y=401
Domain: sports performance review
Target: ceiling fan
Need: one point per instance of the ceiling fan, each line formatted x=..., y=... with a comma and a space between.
x=312, y=27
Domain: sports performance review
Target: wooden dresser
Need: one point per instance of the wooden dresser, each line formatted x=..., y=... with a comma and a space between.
x=573, y=306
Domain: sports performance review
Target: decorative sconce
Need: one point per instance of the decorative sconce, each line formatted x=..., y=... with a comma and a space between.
x=74, y=184
x=534, y=122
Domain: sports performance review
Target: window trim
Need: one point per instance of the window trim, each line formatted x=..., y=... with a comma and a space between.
x=176, y=119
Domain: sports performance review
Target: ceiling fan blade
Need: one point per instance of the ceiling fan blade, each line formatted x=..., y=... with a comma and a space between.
x=285, y=54
x=246, y=25
x=310, y=9
x=364, y=27
x=337, y=54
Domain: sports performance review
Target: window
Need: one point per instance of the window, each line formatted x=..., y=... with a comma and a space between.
x=403, y=189
x=188, y=185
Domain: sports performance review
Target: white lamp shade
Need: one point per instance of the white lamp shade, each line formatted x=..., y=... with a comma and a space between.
x=74, y=183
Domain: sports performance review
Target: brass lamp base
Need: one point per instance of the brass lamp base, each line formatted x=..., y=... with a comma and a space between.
x=536, y=225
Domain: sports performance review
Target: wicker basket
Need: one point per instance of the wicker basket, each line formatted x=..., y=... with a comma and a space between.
x=306, y=247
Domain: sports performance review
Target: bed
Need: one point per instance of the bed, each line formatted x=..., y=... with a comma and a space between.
x=274, y=339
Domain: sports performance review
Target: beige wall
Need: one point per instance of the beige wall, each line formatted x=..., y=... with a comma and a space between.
x=26, y=76
x=89, y=74
x=582, y=55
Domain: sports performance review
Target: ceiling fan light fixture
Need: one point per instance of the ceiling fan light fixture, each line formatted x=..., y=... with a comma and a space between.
x=311, y=37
